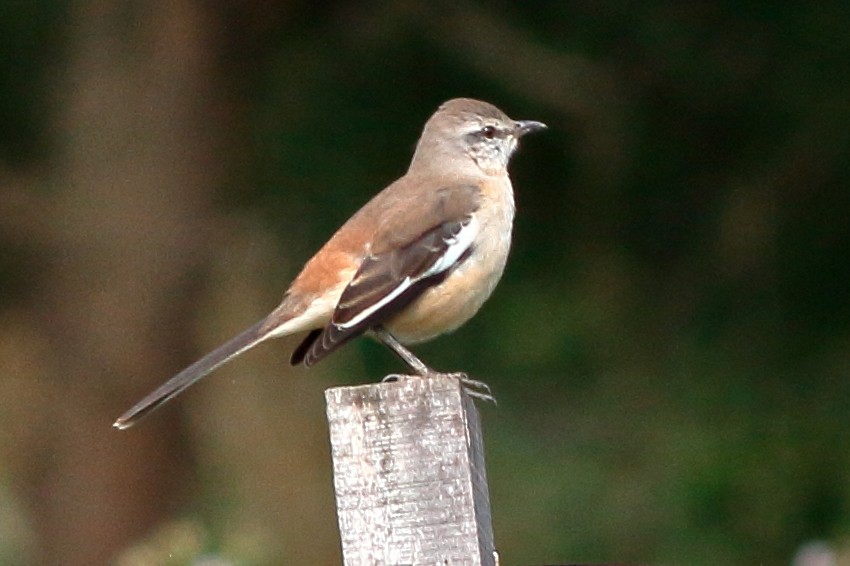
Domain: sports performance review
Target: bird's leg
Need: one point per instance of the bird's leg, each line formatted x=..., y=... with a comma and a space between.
x=406, y=355
x=473, y=387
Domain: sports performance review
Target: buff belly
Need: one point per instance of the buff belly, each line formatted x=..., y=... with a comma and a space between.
x=447, y=306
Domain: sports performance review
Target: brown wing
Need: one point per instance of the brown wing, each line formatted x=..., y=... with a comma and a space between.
x=386, y=282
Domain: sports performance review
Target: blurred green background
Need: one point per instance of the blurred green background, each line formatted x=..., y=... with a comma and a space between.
x=670, y=343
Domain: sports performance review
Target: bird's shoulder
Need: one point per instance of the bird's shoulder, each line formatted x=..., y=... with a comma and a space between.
x=412, y=206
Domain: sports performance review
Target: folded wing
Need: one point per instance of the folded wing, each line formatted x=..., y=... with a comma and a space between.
x=388, y=281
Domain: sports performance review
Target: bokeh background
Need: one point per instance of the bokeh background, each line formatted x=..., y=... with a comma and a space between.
x=670, y=344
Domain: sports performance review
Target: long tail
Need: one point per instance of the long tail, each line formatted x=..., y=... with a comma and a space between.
x=174, y=386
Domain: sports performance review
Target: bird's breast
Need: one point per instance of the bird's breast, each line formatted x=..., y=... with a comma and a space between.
x=447, y=305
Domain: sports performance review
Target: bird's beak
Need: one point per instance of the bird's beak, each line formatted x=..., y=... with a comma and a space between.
x=522, y=127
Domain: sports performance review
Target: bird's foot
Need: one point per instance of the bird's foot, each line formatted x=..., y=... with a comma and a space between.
x=473, y=387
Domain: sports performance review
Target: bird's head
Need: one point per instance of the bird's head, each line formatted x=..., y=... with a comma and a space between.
x=468, y=131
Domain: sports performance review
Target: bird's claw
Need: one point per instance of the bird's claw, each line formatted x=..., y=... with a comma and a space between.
x=473, y=387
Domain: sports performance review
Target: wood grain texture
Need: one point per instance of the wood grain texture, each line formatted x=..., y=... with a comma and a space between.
x=409, y=474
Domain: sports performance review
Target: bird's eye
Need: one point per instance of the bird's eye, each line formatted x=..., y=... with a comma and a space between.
x=488, y=132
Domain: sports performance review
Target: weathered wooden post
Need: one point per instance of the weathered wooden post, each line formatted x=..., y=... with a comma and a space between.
x=409, y=476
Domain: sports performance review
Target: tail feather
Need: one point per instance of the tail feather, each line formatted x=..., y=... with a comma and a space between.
x=177, y=384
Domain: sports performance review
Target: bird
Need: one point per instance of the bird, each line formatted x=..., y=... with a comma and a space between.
x=417, y=260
